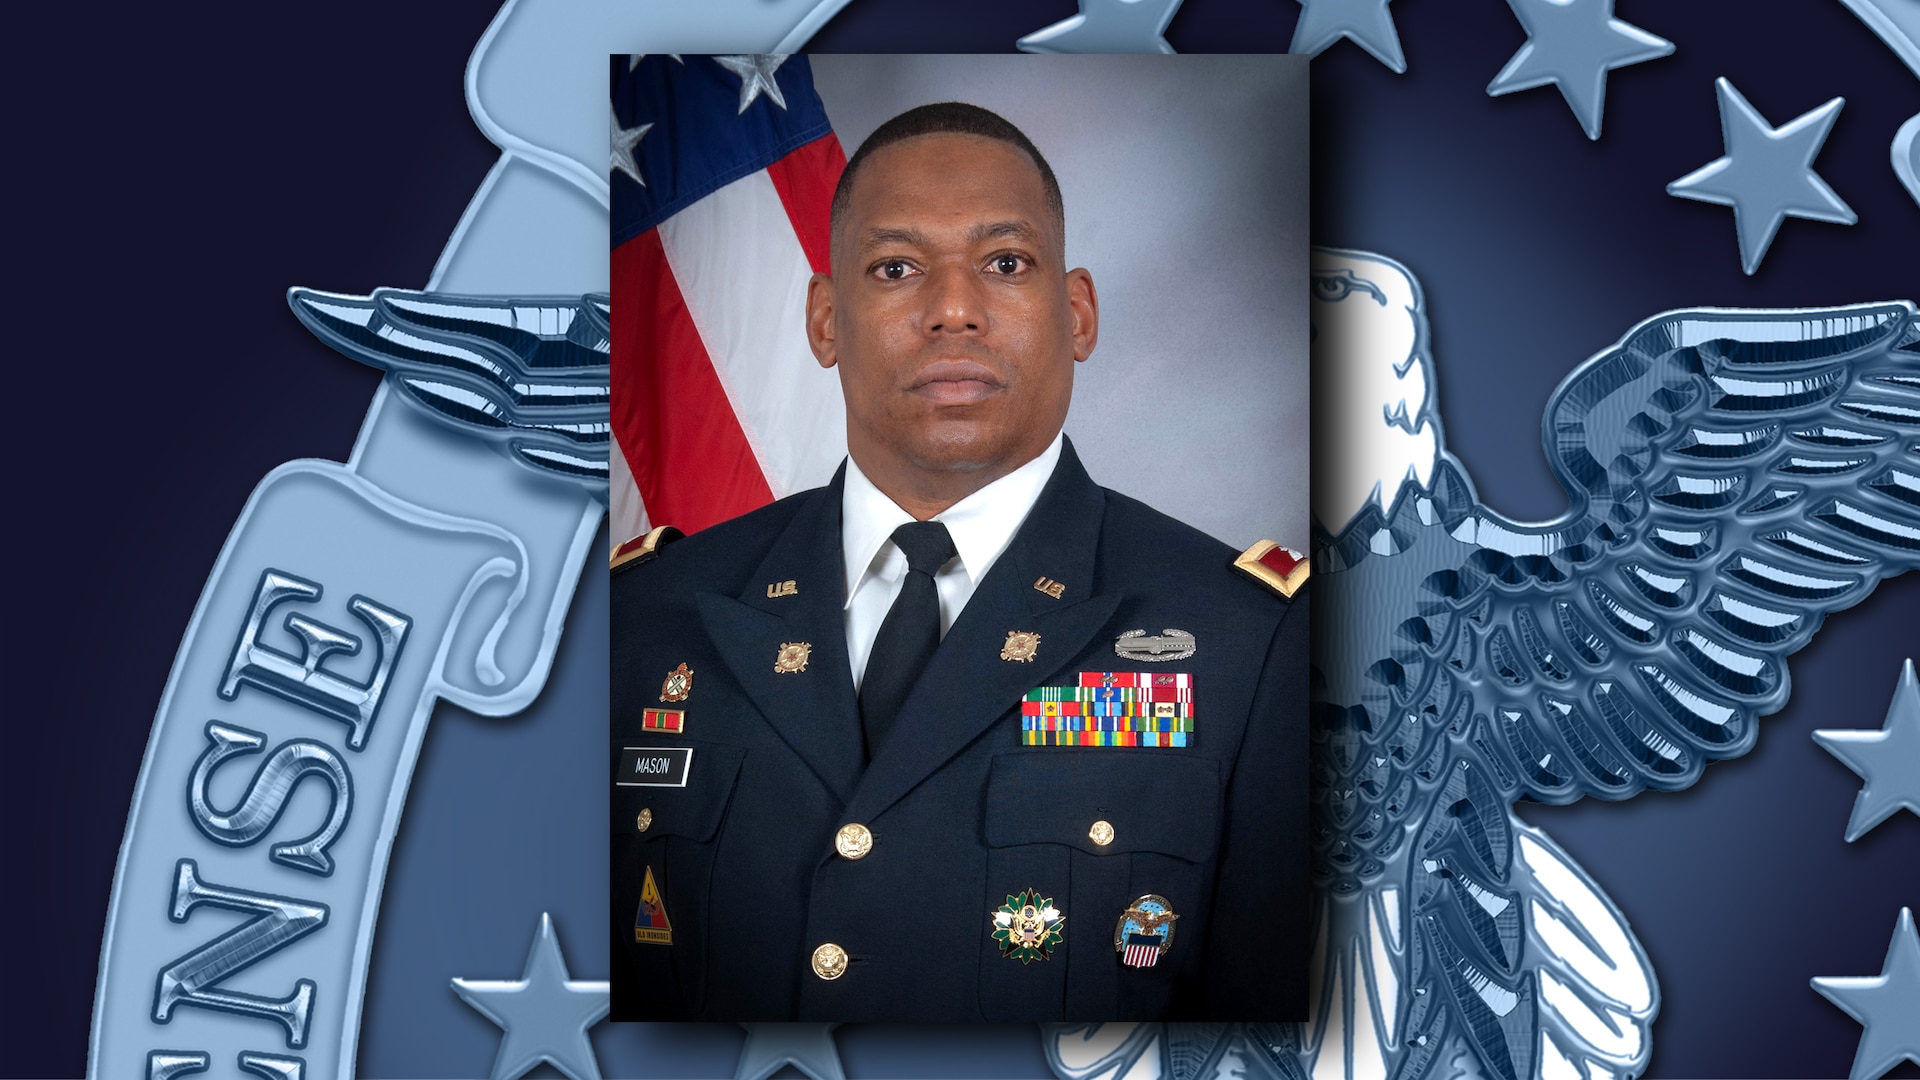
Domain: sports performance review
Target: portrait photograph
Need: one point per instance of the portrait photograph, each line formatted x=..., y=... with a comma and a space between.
x=959, y=628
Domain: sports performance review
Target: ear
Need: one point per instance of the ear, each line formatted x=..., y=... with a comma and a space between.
x=820, y=320
x=1084, y=302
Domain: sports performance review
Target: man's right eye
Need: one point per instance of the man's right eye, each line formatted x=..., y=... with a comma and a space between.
x=893, y=269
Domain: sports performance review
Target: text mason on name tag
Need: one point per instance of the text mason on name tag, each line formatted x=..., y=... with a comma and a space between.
x=654, y=766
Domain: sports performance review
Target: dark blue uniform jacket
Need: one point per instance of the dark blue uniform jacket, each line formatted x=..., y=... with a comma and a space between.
x=961, y=813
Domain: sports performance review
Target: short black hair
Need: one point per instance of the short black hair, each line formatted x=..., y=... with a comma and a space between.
x=944, y=118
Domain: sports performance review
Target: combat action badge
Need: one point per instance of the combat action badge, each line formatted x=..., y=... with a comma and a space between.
x=1027, y=927
x=652, y=927
x=1020, y=646
x=678, y=685
x=1145, y=931
x=1167, y=645
x=792, y=657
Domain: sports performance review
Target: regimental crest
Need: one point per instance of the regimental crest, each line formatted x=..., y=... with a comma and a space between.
x=1144, y=932
x=678, y=685
x=1021, y=646
x=1028, y=926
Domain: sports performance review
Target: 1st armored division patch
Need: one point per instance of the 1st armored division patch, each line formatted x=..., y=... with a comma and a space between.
x=1111, y=708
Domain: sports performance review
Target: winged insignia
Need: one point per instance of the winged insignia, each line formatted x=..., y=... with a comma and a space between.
x=1734, y=477
x=528, y=374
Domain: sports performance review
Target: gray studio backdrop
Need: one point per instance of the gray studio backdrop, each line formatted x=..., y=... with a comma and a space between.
x=1185, y=181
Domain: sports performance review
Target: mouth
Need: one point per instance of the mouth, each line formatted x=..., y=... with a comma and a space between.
x=954, y=381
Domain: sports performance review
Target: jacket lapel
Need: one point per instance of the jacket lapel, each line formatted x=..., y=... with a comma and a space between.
x=967, y=686
x=813, y=710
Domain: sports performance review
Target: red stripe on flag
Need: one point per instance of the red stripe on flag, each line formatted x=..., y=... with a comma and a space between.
x=805, y=180
x=685, y=447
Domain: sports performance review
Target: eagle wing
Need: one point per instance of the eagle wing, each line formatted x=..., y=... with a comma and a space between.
x=1734, y=476
x=527, y=374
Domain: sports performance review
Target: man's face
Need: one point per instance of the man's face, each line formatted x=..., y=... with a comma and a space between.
x=950, y=313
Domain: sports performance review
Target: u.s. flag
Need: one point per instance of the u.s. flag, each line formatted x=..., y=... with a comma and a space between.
x=722, y=172
x=1143, y=950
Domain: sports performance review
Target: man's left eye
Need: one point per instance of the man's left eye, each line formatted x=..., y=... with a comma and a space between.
x=1008, y=264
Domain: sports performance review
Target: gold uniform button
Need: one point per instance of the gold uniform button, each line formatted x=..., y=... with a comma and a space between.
x=1101, y=833
x=645, y=820
x=829, y=961
x=853, y=841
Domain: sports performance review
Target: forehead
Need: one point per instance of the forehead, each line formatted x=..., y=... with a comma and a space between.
x=945, y=175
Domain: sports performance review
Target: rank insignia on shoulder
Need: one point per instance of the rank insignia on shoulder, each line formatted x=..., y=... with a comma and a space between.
x=641, y=548
x=652, y=927
x=1135, y=645
x=1281, y=569
x=1145, y=931
x=670, y=721
x=1028, y=927
x=1111, y=708
x=678, y=685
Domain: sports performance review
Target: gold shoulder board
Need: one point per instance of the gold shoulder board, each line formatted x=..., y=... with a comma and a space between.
x=1281, y=569
x=641, y=548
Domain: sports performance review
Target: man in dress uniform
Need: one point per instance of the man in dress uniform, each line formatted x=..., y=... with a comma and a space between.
x=961, y=736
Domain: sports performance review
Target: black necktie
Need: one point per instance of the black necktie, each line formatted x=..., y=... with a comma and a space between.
x=910, y=632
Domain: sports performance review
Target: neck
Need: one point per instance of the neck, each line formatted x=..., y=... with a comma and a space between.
x=924, y=492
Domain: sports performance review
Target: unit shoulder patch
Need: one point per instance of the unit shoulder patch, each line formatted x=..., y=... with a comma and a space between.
x=641, y=548
x=1279, y=568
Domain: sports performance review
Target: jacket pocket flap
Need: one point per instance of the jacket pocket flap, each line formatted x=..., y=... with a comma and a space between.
x=673, y=790
x=1146, y=801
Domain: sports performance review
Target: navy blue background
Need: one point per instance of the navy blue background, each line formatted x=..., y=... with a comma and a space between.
x=183, y=168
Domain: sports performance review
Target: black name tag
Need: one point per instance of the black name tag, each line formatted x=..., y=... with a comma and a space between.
x=654, y=766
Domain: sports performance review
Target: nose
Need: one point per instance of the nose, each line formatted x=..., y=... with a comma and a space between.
x=956, y=301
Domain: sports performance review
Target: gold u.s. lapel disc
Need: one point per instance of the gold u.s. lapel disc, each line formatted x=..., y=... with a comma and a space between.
x=651, y=926
x=1028, y=927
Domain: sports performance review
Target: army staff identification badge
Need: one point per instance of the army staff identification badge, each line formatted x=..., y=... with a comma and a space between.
x=1027, y=927
x=1111, y=708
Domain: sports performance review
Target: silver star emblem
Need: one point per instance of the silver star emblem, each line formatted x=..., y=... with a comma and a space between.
x=624, y=141
x=756, y=76
x=1107, y=26
x=772, y=1047
x=633, y=59
x=1885, y=1004
x=1767, y=174
x=1366, y=22
x=1574, y=45
x=1888, y=759
x=544, y=1012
